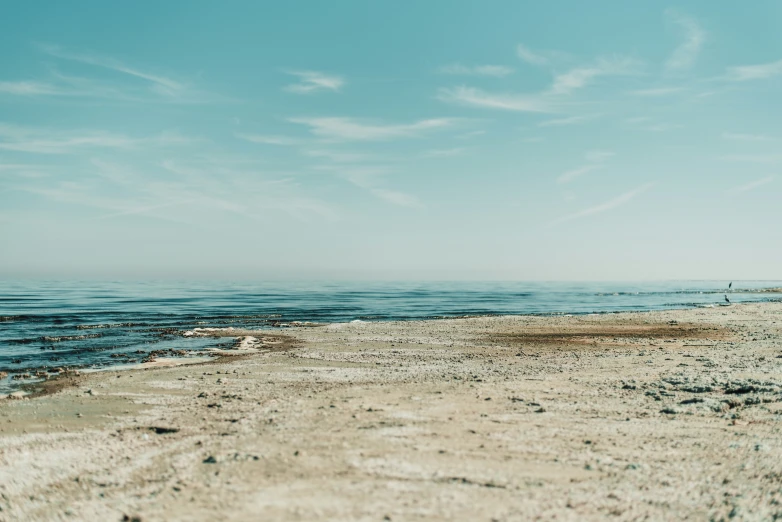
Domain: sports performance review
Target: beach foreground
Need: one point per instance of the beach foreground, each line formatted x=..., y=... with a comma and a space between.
x=664, y=415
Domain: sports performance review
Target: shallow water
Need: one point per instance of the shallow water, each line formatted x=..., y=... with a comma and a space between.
x=94, y=324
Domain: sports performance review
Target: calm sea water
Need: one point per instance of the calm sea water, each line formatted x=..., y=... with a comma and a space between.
x=83, y=324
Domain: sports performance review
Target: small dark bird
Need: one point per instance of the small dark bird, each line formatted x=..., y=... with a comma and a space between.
x=727, y=300
x=730, y=285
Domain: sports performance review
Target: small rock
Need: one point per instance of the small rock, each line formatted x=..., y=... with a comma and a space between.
x=210, y=460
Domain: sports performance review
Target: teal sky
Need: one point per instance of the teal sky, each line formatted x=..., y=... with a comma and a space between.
x=568, y=140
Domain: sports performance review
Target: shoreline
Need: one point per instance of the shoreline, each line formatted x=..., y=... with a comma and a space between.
x=501, y=417
x=45, y=360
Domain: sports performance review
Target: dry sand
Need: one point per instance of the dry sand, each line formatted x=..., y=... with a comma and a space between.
x=658, y=416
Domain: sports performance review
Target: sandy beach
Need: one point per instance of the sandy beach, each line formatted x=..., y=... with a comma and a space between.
x=659, y=416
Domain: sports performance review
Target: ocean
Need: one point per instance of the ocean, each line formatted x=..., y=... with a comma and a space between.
x=100, y=324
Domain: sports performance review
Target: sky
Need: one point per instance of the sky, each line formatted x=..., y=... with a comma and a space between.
x=500, y=140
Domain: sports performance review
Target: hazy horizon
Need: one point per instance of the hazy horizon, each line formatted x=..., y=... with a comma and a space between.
x=497, y=141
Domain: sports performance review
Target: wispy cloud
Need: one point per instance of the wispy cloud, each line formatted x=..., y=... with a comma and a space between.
x=349, y=129
x=24, y=170
x=17, y=166
x=267, y=139
x=647, y=124
x=441, y=153
x=753, y=185
x=147, y=209
x=530, y=56
x=572, y=174
x=747, y=137
x=163, y=83
x=657, y=91
x=370, y=178
x=401, y=199
x=550, y=100
x=31, y=88
x=67, y=86
x=596, y=160
x=605, y=207
x=152, y=87
x=498, y=71
x=570, y=120
x=226, y=184
x=23, y=139
x=48, y=141
x=337, y=156
x=763, y=159
x=599, y=155
x=201, y=188
x=314, y=81
x=580, y=77
x=761, y=71
x=694, y=36
x=471, y=134
x=663, y=127
x=473, y=97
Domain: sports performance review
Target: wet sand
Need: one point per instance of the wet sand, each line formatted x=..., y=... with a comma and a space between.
x=662, y=415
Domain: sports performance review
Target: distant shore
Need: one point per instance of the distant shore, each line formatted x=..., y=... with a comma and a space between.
x=666, y=415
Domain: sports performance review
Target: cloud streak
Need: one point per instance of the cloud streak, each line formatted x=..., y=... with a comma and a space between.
x=572, y=174
x=497, y=71
x=762, y=159
x=570, y=120
x=694, y=36
x=747, y=137
x=266, y=139
x=605, y=207
x=163, y=83
x=369, y=178
x=530, y=56
x=314, y=81
x=32, y=88
x=473, y=97
x=349, y=129
x=657, y=91
x=596, y=159
x=580, y=77
x=47, y=141
x=401, y=199
x=753, y=185
x=152, y=87
x=744, y=73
